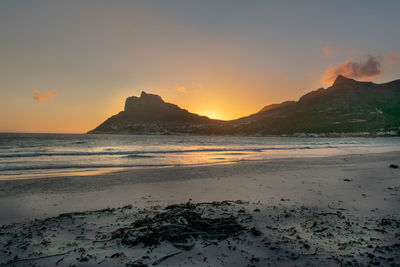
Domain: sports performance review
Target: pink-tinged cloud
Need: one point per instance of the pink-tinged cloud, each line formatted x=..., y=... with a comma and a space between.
x=181, y=89
x=392, y=58
x=368, y=69
x=328, y=52
x=45, y=95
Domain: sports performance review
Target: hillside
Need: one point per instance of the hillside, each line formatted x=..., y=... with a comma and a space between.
x=347, y=106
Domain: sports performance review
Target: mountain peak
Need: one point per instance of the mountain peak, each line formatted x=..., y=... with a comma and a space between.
x=145, y=99
x=340, y=80
x=150, y=98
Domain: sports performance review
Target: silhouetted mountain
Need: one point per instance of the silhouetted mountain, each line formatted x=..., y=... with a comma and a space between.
x=150, y=114
x=347, y=106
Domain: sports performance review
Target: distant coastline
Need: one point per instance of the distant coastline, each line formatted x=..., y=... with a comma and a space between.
x=392, y=133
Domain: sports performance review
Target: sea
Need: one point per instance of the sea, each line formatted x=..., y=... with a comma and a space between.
x=47, y=155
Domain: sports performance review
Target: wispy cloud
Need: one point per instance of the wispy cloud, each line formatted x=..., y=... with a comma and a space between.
x=328, y=52
x=181, y=89
x=45, y=95
x=327, y=48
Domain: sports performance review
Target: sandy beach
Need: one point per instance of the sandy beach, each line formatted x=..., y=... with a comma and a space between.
x=330, y=210
x=199, y=133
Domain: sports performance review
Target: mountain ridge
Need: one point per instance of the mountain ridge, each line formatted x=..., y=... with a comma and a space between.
x=347, y=106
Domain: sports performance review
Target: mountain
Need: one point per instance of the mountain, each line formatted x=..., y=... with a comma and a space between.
x=274, y=106
x=347, y=106
x=150, y=114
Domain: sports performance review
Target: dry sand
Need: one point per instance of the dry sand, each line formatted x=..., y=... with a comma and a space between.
x=334, y=211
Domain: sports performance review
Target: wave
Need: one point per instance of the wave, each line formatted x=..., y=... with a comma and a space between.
x=131, y=153
x=79, y=142
x=93, y=166
x=3, y=171
x=135, y=156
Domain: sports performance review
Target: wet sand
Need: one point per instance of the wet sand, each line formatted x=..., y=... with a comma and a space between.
x=334, y=210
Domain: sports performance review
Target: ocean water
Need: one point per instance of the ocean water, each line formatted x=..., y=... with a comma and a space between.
x=40, y=155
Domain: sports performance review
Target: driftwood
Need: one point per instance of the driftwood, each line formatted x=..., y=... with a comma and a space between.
x=165, y=257
x=38, y=258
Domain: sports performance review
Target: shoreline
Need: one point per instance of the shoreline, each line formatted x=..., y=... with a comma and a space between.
x=126, y=171
x=300, y=211
x=88, y=155
x=37, y=198
x=110, y=171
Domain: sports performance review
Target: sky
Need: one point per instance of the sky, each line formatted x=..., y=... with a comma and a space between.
x=66, y=66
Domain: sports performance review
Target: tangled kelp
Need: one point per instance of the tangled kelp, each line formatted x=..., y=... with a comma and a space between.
x=181, y=225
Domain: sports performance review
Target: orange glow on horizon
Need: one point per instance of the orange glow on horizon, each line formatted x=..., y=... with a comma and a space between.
x=213, y=115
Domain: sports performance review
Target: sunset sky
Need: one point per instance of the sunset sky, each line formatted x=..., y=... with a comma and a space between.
x=66, y=66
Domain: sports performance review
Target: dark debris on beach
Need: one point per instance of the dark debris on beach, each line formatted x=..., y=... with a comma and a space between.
x=181, y=225
x=212, y=233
